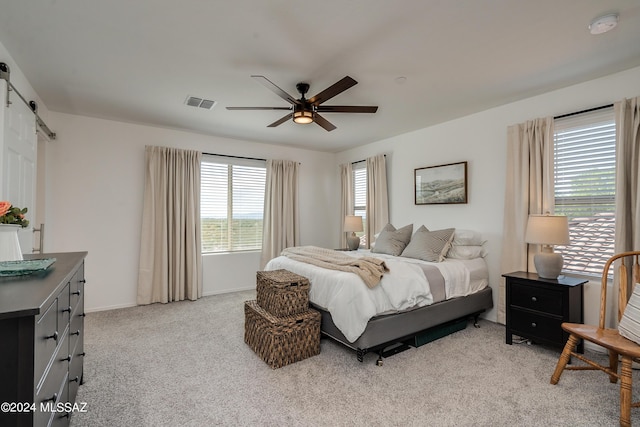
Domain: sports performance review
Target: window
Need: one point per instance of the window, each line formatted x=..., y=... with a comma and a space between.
x=584, y=157
x=360, y=196
x=231, y=204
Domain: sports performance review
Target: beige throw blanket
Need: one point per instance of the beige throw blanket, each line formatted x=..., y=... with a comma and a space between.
x=369, y=269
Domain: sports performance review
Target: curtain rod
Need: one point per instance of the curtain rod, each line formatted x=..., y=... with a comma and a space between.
x=353, y=163
x=583, y=111
x=5, y=73
x=235, y=157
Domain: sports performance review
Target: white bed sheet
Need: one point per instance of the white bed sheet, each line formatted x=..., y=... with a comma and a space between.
x=351, y=303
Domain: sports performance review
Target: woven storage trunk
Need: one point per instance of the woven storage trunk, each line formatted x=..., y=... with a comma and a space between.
x=280, y=341
x=282, y=293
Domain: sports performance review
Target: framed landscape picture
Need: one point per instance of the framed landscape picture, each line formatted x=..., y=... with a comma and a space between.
x=441, y=184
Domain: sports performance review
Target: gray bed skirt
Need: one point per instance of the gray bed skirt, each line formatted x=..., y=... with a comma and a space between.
x=383, y=331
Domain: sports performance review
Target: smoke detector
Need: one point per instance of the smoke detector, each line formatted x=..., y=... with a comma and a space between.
x=603, y=24
x=194, y=101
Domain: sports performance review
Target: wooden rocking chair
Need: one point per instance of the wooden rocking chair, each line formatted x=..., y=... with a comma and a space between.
x=618, y=346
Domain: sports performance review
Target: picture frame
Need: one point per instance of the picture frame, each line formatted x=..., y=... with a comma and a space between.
x=441, y=184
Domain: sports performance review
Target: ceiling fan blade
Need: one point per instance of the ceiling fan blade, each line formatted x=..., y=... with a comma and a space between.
x=346, y=109
x=333, y=90
x=258, y=108
x=328, y=126
x=275, y=89
x=280, y=121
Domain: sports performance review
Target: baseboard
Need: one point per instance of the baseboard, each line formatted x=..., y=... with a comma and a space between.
x=110, y=307
x=228, y=291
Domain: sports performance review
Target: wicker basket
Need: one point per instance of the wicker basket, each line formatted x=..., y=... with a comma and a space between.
x=280, y=341
x=282, y=293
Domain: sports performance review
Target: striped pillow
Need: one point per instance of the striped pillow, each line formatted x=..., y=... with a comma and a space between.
x=629, y=326
x=429, y=245
x=392, y=241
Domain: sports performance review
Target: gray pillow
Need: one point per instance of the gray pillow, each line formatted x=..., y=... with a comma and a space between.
x=428, y=245
x=392, y=241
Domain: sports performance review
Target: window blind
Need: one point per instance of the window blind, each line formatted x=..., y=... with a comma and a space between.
x=360, y=195
x=584, y=171
x=232, y=204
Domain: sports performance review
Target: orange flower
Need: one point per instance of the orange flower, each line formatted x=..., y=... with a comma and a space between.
x=4, y=207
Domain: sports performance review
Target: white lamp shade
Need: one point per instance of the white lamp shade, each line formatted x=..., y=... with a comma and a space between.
x=353, y=223
x=547, y=230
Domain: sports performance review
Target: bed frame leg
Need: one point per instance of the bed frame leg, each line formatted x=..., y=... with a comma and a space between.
x=360, y=354
x=380, y=361
x=475, y=320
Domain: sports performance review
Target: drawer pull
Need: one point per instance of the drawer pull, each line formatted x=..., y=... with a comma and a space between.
x=52, y=398
x=82, y=281
x=534, y=299
x=76, y=332
x=75, y=380
x=54, y=336
x=66, y=359
x=82, y=354
x=533, y=324
x=75, y=293
x=67, y=310
x=83, y=315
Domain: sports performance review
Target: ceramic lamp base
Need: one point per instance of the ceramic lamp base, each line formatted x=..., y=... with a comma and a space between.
x=548, y=264
x=353, y=242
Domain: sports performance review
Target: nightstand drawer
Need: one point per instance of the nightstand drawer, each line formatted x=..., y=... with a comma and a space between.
x=536, y=298
x=534, y=325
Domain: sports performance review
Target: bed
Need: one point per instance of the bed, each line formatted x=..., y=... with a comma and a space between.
x=413, y=297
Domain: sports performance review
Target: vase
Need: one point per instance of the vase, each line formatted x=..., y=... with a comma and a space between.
x=9, y=243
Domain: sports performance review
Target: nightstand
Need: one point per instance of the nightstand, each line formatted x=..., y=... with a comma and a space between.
x=536, y=307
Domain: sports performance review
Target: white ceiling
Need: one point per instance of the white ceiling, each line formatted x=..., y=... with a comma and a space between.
x=137, y=61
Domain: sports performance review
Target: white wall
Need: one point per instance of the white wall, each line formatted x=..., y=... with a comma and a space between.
x=480, y=139
x=95, y=175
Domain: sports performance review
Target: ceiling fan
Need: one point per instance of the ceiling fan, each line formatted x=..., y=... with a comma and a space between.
x=305, y=110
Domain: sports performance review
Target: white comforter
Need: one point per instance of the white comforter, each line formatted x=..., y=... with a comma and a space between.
x=352, y=304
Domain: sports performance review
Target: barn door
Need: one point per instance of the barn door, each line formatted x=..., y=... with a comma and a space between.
x=19, y=157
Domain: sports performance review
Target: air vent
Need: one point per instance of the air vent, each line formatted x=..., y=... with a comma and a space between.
x=194, y=101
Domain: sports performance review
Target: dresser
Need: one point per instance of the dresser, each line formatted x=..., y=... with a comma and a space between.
x=536, y=307
x=42, y=331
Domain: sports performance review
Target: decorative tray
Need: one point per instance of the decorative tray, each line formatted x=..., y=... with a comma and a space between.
x=27, y=266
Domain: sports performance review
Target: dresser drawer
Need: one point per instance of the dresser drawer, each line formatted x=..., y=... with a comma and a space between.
x=76, y=287
x=534, y=325
x=54, y=385
x=77, y=328
x=536, y=298
x=46, y=340
x=64, y=308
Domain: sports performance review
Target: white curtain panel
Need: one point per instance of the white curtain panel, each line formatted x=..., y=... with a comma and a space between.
x=529, y=190
x=346, y=199
x=170, y=253
x=627, y=113
x=377, y=197
x=281, y=224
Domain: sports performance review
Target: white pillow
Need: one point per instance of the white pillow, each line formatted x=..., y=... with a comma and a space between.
x=467, y=238
x=466, y=252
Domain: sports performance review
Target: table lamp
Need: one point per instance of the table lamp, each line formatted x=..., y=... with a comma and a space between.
x=352, y=224
x=548, y=230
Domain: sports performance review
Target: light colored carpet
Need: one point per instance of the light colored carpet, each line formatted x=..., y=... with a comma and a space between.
x=186, y=364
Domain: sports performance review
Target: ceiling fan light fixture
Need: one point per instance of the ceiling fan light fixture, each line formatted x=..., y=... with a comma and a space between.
x=602, y=24
x=303, y=117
